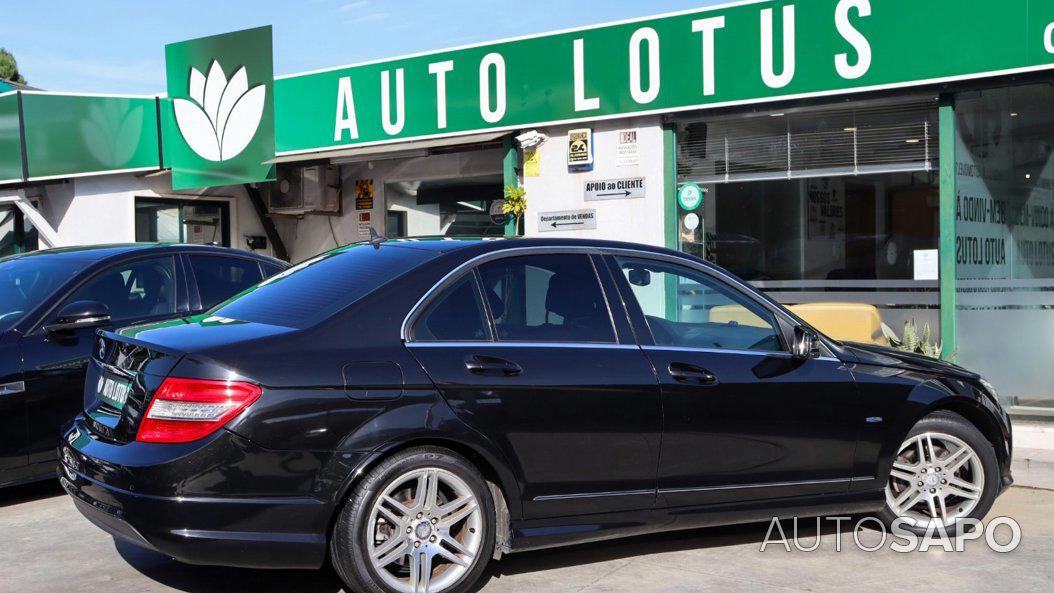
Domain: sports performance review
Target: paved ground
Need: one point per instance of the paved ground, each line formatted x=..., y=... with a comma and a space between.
x=45, y=546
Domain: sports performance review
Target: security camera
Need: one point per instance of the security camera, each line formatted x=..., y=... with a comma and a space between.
x=531, y=140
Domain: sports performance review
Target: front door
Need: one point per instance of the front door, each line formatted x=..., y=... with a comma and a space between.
x=12, y=409
x=570, y=400
x=55, y=364
x=743, y=419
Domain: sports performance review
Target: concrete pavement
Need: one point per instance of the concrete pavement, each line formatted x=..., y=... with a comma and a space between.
x=46, y=546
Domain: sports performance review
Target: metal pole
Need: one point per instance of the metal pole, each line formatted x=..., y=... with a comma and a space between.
x=948, y=200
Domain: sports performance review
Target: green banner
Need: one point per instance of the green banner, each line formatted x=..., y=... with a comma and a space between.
x=10, y=140
x=80, y=134
x=219, y=115
x=741, y=53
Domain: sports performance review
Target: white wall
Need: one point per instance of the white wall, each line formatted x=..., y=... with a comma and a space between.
x=637, y=220
x=101, y=209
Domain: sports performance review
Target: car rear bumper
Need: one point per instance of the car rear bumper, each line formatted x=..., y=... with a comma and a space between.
x=257, y=531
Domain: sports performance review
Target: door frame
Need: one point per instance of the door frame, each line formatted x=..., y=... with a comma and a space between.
x=228, y=207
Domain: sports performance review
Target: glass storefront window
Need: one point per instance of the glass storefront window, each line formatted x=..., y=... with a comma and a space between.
x=457, y=207
x=182, y=221
x=828, y=204
x=8, y=243
x=17, y=233
x=1005, y=241
x=819, y=229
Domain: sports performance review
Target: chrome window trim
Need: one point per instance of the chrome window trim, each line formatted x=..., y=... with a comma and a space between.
x=760, y=353
x=521, y=344
x=744, y=287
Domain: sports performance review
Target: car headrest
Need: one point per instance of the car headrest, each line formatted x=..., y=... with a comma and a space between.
x=572, y=296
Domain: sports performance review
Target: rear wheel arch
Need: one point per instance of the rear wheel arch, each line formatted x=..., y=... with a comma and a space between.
x=503, y=490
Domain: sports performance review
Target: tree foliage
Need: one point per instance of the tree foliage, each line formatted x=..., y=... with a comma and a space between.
x=515, y=202
x=9, y=67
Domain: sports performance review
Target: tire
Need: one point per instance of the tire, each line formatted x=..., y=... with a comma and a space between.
x=929, y=451
x=385, y=517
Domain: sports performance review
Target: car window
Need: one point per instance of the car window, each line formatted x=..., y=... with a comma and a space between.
x=271, y=270
x=688, y=308
x=546, y=298
x=456, y=315
x=26, y=281
x=137, y=290
x=219, y=278
x=317, y=288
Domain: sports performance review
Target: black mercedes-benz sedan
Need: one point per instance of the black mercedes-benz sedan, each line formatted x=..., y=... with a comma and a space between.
x=53, y=301
x=411, y=410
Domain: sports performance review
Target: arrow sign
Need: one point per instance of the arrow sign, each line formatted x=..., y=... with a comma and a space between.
x=613, y=189
x=573, y=220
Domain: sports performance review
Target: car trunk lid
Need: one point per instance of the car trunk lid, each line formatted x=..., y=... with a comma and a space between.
x=122, y=377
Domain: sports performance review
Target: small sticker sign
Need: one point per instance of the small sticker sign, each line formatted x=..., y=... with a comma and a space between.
x=614, y=189
x=690, y=196
x=580, y=148
x=927, y=264
x=364, y=194
x=567, y=220
x=532, y=163
x=627, y=153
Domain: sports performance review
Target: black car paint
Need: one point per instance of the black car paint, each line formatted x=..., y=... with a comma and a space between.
x=263, y=491
x=52, y=366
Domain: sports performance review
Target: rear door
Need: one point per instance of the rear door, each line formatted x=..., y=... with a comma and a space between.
x=744, y=420
x=552, y=375
x=140, y=290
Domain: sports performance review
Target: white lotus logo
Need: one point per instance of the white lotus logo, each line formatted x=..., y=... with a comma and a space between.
x=223, y=116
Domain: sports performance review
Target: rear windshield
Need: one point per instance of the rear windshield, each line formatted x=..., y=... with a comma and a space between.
x=319, y=287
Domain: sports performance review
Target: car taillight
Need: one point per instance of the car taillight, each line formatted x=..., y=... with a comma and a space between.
x=185, y=410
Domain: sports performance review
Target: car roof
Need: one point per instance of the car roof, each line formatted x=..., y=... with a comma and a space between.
x=488, y=245
x=95, y=253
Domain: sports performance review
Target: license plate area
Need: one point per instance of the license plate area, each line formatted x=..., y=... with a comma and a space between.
x=113, y=391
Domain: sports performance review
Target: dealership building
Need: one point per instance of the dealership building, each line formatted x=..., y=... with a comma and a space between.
x=894, y=153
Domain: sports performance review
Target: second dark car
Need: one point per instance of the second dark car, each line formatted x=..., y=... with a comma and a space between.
x=413, y=409
x=53, y=301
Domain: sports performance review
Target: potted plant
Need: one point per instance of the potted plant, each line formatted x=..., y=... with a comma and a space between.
x=515, y=204
x=912, y=341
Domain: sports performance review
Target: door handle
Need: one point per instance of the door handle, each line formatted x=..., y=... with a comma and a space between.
x=691, y=374
x=478, y=364
x=12, y=388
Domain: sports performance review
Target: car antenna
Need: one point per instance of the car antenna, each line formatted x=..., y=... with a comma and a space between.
x=376, y=239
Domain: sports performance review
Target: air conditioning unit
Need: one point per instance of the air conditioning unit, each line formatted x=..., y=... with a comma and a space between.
x=312, y=189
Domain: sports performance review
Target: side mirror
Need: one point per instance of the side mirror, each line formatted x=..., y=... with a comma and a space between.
x=806, y=344
x=78, y=315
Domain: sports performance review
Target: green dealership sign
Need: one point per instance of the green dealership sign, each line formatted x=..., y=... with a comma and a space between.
x=219, y=115
x=226, y=117
x=742, y=53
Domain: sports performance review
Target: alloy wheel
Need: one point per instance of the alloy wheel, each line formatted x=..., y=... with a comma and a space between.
x=425, y=531
x=937, y=479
